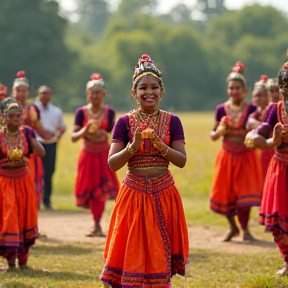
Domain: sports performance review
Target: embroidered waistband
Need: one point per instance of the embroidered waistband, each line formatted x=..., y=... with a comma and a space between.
x=147, y=184
x=282, y=156
x=234, y=147
x=14, y=173
x=95, y=147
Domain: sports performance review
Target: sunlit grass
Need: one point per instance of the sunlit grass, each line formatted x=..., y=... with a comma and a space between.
x=79, y=265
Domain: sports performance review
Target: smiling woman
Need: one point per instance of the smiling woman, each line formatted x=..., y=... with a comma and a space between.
x=148, y=222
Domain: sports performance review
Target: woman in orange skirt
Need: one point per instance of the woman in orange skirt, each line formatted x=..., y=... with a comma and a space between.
x=274, y=206
x=95, y=182
x=238, y=180
x=147, y=242
x=31, y=118
x=18, y=198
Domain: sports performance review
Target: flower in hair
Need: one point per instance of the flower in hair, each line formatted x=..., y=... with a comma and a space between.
x=21, y=79
x=96, y=76
x=95, y=80
x=238, y=68
x=20, y=74
x=264, y=78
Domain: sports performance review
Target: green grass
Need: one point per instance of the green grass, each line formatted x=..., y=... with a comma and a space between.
x=79, y=265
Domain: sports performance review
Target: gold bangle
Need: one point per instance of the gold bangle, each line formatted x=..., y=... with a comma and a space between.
x=168, y=148
x=130, y=149
x=249, y=142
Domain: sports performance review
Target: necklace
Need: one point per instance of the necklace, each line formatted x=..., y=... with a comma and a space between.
x=149, y=114
x=12, y=133
x=94, y=115
x=237, y=115
x=14, y=145
x=146, y=120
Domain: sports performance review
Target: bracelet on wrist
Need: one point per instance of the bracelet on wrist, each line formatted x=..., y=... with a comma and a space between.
x=130, y=149
x=168, y=148
x=249, y=142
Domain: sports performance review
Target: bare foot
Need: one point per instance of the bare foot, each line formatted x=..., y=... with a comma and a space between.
x=95, y=233
x=247, y=236
x=231, y=234
x=284, y=271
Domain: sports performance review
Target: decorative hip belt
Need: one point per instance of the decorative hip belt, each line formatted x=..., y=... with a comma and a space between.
x=235, y=147
x=14, y=172
x=281, y=156
x=95, y=147
x=147, y=184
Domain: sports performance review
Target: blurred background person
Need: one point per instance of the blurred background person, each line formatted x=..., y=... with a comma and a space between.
x=53, y=122
x=95, y=182
x=238, y=176
x=18, y=198
x=31, y=118
x=275, y=95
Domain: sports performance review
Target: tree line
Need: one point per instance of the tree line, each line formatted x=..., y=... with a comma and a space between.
x=195, y=57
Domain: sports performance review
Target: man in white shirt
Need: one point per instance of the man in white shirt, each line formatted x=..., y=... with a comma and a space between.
x=52, y=121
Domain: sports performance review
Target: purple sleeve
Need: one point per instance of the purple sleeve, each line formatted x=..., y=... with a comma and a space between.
x=111, y=119
x=35, y=107
x=29, y=134
x=176, y=129
x=121, y=129
x=271, y=120
x=79, y=117
x=219, y=112
x=252, y=108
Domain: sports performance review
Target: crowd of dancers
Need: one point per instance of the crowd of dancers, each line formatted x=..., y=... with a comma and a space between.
x=147, y=240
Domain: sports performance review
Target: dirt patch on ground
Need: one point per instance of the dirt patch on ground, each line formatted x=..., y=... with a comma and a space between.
x=68, y=227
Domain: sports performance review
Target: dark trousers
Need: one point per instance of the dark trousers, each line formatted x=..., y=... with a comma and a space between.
x=49, y=167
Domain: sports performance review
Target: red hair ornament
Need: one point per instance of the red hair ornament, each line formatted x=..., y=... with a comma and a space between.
x=21, y=79
x=96, y=80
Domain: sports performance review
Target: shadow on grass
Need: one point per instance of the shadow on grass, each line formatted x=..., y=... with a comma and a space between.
x=61, y=249
x=256, y=243
x=52, y=275
x=199, y=257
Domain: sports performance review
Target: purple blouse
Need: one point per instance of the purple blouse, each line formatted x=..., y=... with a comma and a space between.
x=79, y=118
x=271, y=120
x=29, y=134
x=122, y=128
x=220, y=111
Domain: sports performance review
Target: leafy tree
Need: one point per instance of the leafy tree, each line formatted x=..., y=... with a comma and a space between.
x=93, y=15
x=181, y=13
x=254, y=20
x=32, y=36
x=128, y=9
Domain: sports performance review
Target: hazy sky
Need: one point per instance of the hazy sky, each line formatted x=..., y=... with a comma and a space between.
x=166, y=5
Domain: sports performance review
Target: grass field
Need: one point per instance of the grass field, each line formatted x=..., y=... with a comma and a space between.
x=78, y=265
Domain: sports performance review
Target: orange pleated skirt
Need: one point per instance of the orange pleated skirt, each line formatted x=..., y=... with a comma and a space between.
x=274, y=206
x=18, y=206
x=238, y=179
x=147, y=242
